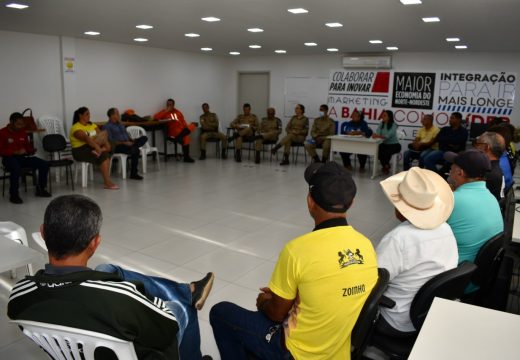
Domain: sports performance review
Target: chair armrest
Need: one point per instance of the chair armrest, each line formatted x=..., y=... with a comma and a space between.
x=386, y=302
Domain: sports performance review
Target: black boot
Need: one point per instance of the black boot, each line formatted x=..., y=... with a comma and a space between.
x=275, y=149
x=186, y=154
x=316, y=158
x=238, y=155
x=257, y=157
x=224, y=154
x=202, y=155
x=285, y=160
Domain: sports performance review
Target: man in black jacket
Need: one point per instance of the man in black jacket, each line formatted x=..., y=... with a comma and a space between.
x=158, y=315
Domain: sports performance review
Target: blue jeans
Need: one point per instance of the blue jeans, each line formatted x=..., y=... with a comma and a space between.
x=241, y=333
x=177, y=298
x=433, y=158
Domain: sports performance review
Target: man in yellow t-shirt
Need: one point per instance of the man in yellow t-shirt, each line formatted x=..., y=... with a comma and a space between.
x=318, y=287
x=423, y=144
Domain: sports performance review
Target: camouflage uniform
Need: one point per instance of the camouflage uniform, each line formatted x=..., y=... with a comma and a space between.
x=209, y=130
x=248, y=131
x=297, y=129
x=322, y=127
x=270, y=129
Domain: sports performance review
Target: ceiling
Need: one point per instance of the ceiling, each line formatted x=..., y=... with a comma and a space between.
x=482, y=25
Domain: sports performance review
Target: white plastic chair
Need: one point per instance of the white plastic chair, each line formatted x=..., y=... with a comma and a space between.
x=67, y=343
x=86, y=170
x=121, y=163
x=16, y=233
x=136, y=132
x=38, y=239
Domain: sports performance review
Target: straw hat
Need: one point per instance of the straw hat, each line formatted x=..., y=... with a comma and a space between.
x=421, y=196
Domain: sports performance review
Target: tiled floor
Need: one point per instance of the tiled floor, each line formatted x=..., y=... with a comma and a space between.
x=188, y=219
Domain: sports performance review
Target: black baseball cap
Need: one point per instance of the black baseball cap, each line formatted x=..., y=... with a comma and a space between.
x=474, y=163
x=331, y=186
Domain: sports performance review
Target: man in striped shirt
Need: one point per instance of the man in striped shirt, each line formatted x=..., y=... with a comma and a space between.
x=158, y=315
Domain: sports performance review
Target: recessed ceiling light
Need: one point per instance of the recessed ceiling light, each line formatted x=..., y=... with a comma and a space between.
x=91, y=33
x=431, y=19
x=375, y=42
x=354, y=58
x=332, y=50
x=234, y=53
x=452, y=39
x=255, y=30
x=206, y=49
x=192, y=35
x=310, y=44
x=334, y=24
x=144, y=27
x=392, y=48
x=255, y=46
x=461, y=47
x=17, y=6
x=298, y=11
x=210, y=19
x=410, y=2
x=140, y=39
x=280, y=51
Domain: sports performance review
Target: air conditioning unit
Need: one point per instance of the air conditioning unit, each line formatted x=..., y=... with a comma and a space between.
x=367, y=62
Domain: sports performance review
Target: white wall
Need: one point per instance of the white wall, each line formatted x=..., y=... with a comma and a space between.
x=106, y=75
x=29, y=74
x=282, y=66
x=143, y=78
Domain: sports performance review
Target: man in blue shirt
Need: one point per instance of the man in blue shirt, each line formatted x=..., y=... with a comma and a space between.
x=451, y=138
x=476, y=216
x=357, y=126
x=121, y=142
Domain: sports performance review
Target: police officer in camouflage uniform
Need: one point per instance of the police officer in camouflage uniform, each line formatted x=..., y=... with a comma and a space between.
x=244, y=126
x=209, y=130
x=323, y=126
x=270, y=129
x=297, y=129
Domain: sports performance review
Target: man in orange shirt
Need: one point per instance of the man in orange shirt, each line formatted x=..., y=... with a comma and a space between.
x=177, y=127
x=16, y=151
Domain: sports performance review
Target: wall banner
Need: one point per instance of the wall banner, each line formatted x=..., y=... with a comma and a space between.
x=479, y=96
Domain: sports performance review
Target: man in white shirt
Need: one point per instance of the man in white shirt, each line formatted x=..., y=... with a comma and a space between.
x=419, y=248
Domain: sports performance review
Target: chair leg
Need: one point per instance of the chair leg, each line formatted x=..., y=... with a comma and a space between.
x=123, y=166
x=144, y=159
x=395, y=159
x=84, y=174
x=157, y=161
x=50, y=180
x=68, y=171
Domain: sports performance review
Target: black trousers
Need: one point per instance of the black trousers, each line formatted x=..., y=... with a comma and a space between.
x=386, y=151
x=346, y=159
x=133, y=151
x=14, y=165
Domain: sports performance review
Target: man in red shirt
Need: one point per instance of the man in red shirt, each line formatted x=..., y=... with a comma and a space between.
x=16, y=151
x=177, y=127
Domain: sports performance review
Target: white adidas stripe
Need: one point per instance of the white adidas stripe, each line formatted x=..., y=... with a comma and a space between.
x=22, y=287
x=145, y=301
x=20, y=293
x=123, y=285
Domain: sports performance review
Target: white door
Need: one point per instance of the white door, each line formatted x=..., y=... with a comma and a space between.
x=253, y=88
